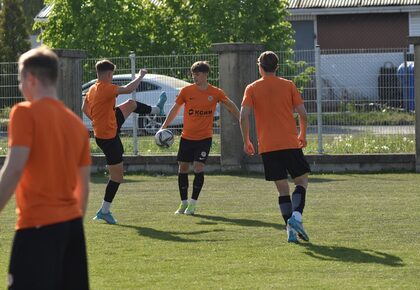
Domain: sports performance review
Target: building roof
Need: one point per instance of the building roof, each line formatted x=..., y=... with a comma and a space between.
x=305, y=4
x=307, y=9
x=42, y=16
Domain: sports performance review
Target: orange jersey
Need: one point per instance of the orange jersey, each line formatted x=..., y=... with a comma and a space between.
x=59, y=146
x=273, y=100
x=200, y=106
x=101, y=98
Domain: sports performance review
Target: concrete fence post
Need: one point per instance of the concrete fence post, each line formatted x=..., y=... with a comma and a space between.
x=237, y=68
x=416, y=42
x=70, y=78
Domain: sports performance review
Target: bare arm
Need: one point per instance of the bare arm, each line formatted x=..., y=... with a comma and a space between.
x=86, y=108
x=82, y=187
x=233, y=109
x=131, y=86
x=303, y=124
x=11, y=172
x=171, y=115
x=244, y=121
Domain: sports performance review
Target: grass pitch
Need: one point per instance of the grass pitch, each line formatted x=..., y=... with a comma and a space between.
x=364, y=231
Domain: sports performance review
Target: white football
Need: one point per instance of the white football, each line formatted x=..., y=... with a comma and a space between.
x=164, y=138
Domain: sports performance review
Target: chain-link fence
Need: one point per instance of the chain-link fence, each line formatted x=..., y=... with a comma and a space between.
x=9, y=95
x=165, y=74
x=359, y=101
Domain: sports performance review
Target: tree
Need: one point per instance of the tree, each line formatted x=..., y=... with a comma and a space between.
x=31, y=9
x=113, y=28
x=101, y=27
x=13, y=31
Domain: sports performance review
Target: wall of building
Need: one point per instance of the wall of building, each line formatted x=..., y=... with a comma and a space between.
x=353, y=31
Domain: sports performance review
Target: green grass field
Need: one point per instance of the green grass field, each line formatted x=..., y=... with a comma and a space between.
x=364, y=231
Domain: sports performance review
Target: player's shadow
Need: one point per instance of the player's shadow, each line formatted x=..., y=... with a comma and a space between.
x=240, y=221
x=104, y=180
x=344, y=254
x=320, y=180
x=172, y=236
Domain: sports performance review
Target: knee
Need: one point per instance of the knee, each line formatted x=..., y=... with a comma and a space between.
x=301, y=181
x=132, y=104
x=183, y=168
x=198, y=167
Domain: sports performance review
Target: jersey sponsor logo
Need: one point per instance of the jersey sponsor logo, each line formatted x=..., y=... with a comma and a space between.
x=200, y=113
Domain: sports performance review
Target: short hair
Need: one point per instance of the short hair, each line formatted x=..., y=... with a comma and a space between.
x=269, y=61
x=104, y=65
x=200, y=66
x=41, y=62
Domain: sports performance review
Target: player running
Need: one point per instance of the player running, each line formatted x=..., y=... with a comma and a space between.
x=273, y=100
x=99, y=107
x=200, y=100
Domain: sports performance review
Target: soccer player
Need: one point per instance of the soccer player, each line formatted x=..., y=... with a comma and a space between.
x=200, y=100
x=99, y=107
x=48, y=164
x=274, y=100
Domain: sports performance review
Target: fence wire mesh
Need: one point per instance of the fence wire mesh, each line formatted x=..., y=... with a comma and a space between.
x=364, y=102
x=165, y=74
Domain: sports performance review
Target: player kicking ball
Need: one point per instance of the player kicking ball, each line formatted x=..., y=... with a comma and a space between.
x=200, y=100
x=273, y=100
x=99, y=107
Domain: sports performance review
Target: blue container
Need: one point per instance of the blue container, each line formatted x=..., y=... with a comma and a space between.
x=405, y=74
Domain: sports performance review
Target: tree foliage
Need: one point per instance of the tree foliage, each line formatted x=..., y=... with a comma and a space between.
x=113, y=28
x=13, y=31
x=31, y=9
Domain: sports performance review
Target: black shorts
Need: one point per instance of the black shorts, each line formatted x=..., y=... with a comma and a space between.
x=277, y=164
x=194, y=150
x=113, y=148
x=49, y=257
x=119, y=116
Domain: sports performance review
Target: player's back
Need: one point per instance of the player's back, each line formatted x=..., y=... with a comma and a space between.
x=273, y=99
x=101, y=97
x=58, y=146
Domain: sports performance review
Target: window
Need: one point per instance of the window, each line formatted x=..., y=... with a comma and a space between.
x=146, y=86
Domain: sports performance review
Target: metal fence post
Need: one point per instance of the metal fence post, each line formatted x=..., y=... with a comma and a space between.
x=318, y=96
x=133, y=96
x=416, y=41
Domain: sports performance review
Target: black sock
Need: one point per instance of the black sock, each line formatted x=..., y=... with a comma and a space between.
x=285, y=205
x=111, y=190
x=298, y=199
x=142, y=108
x=183, y=185
x=197, y=184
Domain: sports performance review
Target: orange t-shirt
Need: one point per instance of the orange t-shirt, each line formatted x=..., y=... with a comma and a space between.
x=200, y=106
x=59, y=146
x=101, y=98
x=273, y=100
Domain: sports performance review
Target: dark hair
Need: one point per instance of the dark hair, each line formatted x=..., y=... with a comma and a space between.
x=104, y=65
x=42, y=62
x=200, y=66
x=269, y=61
